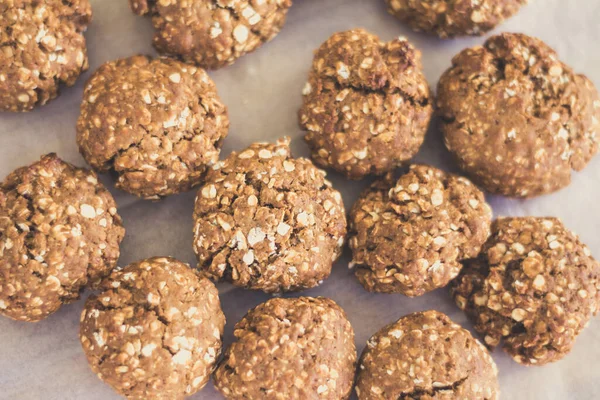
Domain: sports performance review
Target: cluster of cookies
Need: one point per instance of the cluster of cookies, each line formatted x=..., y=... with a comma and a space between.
x=517, y=119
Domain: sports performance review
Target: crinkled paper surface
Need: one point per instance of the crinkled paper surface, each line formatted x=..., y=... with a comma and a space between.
x=262, y=91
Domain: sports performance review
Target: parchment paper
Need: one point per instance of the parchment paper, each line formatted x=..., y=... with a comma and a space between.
x=262, y=91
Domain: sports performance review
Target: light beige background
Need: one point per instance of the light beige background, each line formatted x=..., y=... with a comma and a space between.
x=262, y=90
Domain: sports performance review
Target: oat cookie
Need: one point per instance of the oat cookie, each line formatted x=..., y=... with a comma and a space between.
x=155, y=330
x=157, y=123
x=534, y=286
x=449, y=18
x=59, y=233
x=41, y=47
x=426, y=356
x=299, y=348
x=367, y=104
x=265, y=220
x=409, y=236
x=212, y=33
x=516, y=118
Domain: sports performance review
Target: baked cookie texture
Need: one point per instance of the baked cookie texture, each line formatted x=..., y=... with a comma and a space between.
x=409, y=235
x=41, y=47
x=267, y=221
x=212, y=33
x=426, y=356
x=534, y=287
x=154, y=332
x=516, y=118
x=59, y=233
x=297, y=348
x=367, y=104
x=450, y=18
x=158, y=124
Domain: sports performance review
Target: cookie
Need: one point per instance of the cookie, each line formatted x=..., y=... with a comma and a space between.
x=298, y=348
x=41, y=48
x=516, y=118
x=59, y=233
x=212, y=33
x=449, y=18
x=426, y=356
x=534, y=287
x=367, y=104
x=267, y=221
x=155, y=330
x=158, y=124
x=409, y=235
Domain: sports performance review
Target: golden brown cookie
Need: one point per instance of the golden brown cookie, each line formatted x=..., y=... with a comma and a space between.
x=157, y=123
x=534, y=286
x=426, y=356
x=367, y=104
x=299, y=348
x=409, y=235
x=516, y=118
x=449, y=18
x=265, y=220
x=212, y=33
x=154, y=332
x=59, y=233
x=41, y=47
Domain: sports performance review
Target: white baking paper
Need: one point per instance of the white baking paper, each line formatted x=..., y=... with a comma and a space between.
x=262, y=90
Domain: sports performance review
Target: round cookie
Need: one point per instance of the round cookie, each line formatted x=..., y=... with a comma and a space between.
x=155, y=330
x=534, y=286
x=449, y=18
x=516, y=118
x=59, y=233
x=298, y=348
x=425, y=355
x=367, y=104
x=157, y=123
x=41, y=47
x=212, y=33
x=409, y=236
x=265, y=220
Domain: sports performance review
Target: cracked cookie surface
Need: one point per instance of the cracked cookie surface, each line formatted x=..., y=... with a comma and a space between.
x=426, y=356
x=534, y=286
x=212, y=33
x=155, y=330
x=41, y=47
x=367, y=104
x=265, y=220
x=157, y=123
x=449, y=18
x=516, y=118
x=297, y=348
x=59, y=233
x=409, y=236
